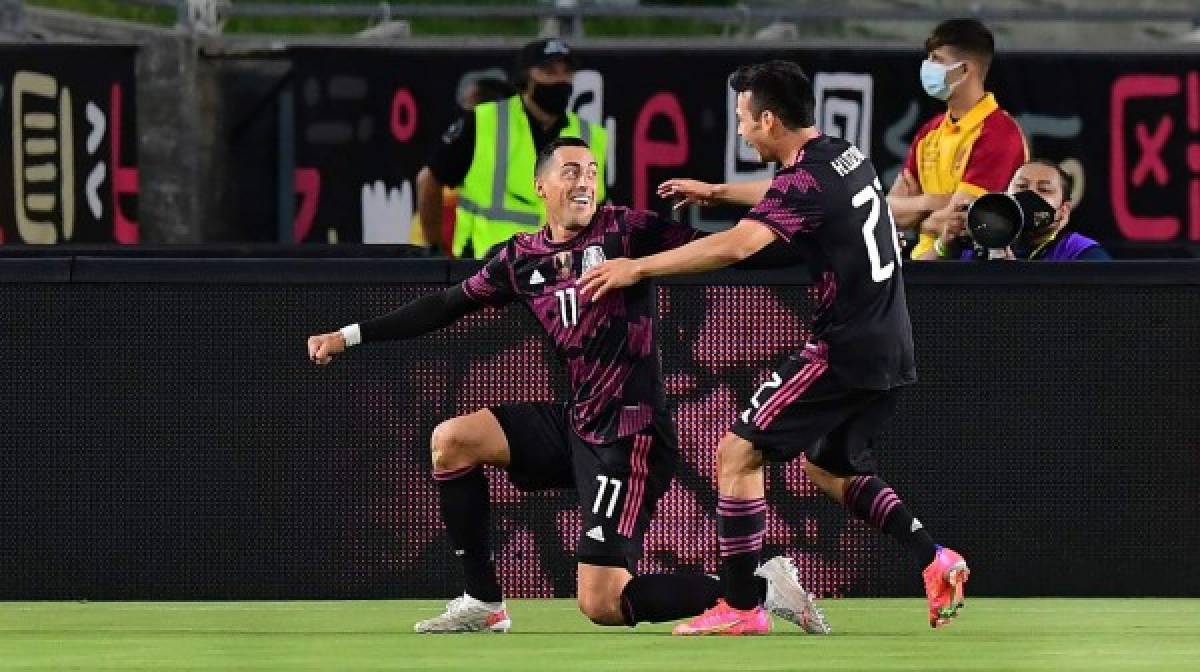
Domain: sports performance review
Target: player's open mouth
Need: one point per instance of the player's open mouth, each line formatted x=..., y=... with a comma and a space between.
x=582, y=199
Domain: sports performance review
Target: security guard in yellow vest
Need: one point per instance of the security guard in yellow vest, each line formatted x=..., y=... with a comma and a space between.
x=489, y=154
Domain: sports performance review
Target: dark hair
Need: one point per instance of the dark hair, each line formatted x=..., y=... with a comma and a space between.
x=1068, y=182
x=547, y=153
x=778, y=86
x=968, y=36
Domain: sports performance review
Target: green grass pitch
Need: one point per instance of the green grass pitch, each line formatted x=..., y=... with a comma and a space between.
x=870, y=634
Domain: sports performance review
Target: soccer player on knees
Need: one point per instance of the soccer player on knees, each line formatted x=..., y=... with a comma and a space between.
x=613, y=441
x=835, y=394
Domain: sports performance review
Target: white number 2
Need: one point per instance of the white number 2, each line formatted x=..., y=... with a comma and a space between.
x=568, y=306
x=612, y=500
x=772, y=384
x=872, y=194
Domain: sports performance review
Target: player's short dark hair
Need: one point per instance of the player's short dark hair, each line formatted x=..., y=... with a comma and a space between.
x=547, y=153
x=778, y=86
x=967, y=36
x=1068, y=182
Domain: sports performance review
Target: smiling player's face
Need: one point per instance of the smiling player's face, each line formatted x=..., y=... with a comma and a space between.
x=754, y=130
x=568, y=186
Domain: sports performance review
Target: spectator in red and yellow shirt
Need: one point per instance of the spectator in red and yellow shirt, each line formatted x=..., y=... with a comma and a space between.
x=972, y=148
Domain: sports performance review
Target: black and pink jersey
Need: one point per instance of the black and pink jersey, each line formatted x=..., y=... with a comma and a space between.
x=829, y=207
x=609, y=347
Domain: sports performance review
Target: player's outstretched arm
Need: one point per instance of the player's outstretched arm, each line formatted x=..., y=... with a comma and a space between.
x=418, y=317
x=705, y=194
x=704, y=254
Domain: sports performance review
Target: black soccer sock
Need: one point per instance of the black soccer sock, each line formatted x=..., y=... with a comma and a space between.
x=874, y=501
x=741, y=527
x=466, y=512
x=654, y=598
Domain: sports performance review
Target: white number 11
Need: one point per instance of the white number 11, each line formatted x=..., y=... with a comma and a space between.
x=568, y=306
x=612, y=501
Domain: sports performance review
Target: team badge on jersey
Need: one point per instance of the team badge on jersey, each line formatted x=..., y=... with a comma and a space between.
x=562, y=265
x=593, y=256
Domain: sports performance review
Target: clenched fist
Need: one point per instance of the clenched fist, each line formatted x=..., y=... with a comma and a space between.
x=322, y=347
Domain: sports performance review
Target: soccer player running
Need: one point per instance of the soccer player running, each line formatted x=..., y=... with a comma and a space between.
x=614, y=442
x=832, y=397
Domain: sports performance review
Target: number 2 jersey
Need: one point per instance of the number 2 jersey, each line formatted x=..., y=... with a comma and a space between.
x=829, y=207
x=609, y=347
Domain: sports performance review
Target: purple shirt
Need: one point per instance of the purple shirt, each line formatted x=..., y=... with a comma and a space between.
x=1066, y=247
x=609, y=349
x=1071, y=247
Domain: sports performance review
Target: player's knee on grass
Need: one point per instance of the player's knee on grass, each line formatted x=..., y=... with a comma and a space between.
x=602, y=607
x=599, y=591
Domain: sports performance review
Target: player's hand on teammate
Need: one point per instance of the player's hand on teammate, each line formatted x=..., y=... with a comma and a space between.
x=322, y=347
x=688, y=192
x=612, y=274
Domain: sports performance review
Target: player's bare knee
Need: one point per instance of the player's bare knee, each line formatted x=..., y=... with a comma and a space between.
x=450, y=446
x=601, y=608
x=736, y=456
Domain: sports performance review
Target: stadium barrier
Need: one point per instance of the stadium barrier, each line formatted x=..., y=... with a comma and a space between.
x=319, y=142
x=165, y=436
x=352, y=126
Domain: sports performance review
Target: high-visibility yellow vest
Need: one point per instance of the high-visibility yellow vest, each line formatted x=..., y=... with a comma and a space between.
x=497, y=198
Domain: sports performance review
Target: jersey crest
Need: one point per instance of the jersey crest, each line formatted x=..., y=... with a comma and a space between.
x=593, y=256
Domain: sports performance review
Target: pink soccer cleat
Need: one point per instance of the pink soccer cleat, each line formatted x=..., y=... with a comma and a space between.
x=945, y=582
x=725, y=620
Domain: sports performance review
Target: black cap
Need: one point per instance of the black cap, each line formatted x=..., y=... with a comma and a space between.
x=544, y=52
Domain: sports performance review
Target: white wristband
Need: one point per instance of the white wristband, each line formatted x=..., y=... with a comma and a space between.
x=352, y=334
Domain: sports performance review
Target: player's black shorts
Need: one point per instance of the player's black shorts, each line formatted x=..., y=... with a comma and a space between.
x=803, y=409
x=619, y=483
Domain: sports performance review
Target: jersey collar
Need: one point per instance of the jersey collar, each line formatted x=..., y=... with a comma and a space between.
x=974, y=117
x=549, y=242
x=799, y=156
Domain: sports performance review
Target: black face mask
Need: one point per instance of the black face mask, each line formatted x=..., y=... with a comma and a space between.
x=552, y=98
x=1038, y=215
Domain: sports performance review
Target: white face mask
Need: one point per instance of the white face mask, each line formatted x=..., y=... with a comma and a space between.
x=933, y=79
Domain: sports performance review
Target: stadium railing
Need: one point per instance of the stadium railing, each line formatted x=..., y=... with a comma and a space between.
x=571, y=16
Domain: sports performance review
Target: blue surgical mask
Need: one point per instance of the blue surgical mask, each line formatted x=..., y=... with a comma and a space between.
x=933, y=79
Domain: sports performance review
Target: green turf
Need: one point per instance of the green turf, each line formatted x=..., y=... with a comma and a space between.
x=992, y=634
